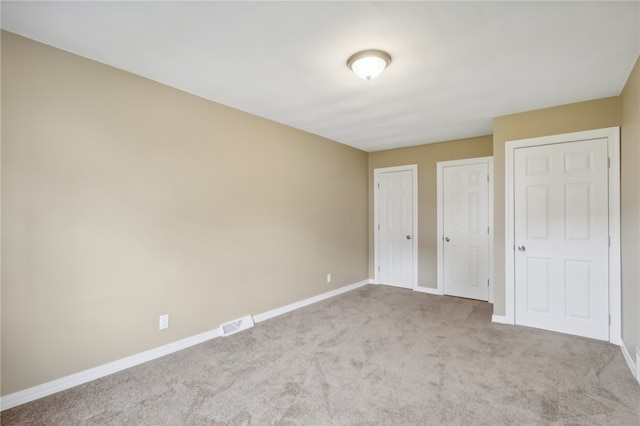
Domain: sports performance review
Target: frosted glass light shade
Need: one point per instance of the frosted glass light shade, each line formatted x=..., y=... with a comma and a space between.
x=369, y=64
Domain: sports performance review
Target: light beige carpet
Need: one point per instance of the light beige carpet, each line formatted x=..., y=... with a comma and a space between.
x=376, y=355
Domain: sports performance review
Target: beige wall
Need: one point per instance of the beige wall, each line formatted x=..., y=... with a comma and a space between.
x=588, y=115
x=630, y=211
x=426, y=157
x=124, y=199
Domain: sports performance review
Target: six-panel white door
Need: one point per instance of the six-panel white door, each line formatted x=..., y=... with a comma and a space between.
x=561, y=237
x=466, y=231
x=395, y=222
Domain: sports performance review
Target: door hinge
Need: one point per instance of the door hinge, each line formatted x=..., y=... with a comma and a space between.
x=487, y=282
x=609, y=241
x=378, y=227
x=609, y=319
x=488, y=230
x=378, y=268
x=608, y=162
x=378, y=185
x=487, y=178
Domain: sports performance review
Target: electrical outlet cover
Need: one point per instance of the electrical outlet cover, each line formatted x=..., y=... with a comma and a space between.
x=164, y=322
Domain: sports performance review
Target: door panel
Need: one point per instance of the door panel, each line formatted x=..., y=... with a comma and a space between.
x=578, y=275
x=395, y=195
x=538, y=285
x=561, y=237
x=465, y=230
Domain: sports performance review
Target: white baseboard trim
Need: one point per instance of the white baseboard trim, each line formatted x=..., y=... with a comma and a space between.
x=297, y=305
x=629, y=359
x=46, y=389
x=428, y=290
x=638, y=365
x=500, y=319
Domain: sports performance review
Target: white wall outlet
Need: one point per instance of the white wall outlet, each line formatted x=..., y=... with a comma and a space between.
x=328, y=278
x=164, y=322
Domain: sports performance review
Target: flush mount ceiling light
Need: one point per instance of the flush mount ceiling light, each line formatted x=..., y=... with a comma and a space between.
x=368, y=64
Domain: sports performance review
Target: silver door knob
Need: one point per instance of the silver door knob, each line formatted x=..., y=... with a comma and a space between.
x=521, y=248
x=408, y=237
x=447, y=239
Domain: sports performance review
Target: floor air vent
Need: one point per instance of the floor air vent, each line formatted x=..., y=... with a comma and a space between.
x=231, y=327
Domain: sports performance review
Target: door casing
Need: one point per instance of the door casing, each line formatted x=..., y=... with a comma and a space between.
x=376, y=174
x=613, y=144
x=440, y=165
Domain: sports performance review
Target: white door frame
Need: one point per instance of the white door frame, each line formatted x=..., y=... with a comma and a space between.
x=376, y=232
x=613, y=143
x=440, y=216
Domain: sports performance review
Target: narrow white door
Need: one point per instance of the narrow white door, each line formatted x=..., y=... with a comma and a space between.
x=466, y=230
x=561, y=237
x=395, y=228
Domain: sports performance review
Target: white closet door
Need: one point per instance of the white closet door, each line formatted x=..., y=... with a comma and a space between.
x=395, y=224
x=561, y=237
x=466, y=231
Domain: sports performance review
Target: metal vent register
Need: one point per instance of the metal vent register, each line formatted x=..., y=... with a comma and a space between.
x=235, y=326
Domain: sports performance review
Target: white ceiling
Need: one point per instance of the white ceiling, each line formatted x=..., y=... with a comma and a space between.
x=456, y=65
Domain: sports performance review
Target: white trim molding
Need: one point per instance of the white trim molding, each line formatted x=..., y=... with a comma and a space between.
x=612, y=134
x=440, y=165
x=633, y=366
x=428, y=290
x=638, y=365
x=376, y=232
x=46, y=389
x=49, y=388
x=302, y=303
x=499, y=319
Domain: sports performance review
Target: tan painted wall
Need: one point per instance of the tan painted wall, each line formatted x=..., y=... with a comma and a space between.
x=588, y=115
x=426, y=157
x=124, y=199
x=630, y=211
